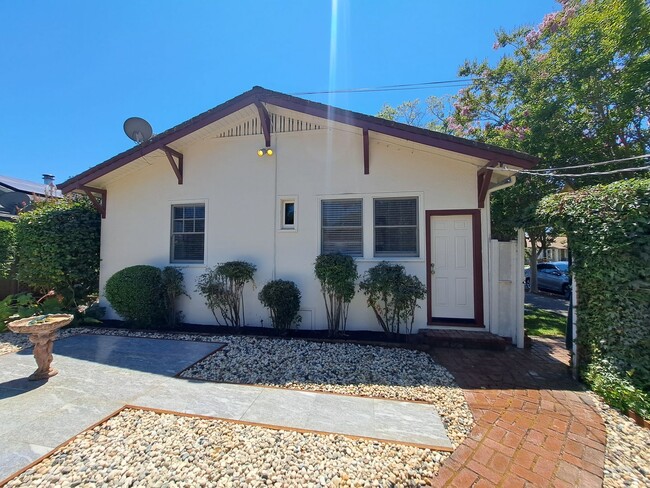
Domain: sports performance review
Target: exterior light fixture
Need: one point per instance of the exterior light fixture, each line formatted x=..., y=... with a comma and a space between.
x=265, y=151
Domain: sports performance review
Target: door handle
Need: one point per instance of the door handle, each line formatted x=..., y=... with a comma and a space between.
x=433, y=268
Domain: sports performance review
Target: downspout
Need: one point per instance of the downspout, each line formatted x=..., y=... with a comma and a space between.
x=511, y=180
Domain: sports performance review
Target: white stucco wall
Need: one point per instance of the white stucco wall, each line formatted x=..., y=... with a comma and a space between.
x=242, y=194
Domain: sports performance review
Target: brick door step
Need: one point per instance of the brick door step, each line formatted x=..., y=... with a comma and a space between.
x=463, y=339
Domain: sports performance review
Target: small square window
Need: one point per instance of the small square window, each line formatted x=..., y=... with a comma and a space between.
x=288, y=210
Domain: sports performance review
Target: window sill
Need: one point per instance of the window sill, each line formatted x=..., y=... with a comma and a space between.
x=400, y=259
x=188, y=265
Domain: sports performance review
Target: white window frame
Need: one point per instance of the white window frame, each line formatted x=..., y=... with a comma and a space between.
x=384, y=255
x=188, y=203
x=327, y=198
x=282, y=225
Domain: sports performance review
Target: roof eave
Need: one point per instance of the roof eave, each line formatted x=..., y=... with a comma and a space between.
x=258, y=94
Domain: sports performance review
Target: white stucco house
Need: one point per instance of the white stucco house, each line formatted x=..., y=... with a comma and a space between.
x=199, y=194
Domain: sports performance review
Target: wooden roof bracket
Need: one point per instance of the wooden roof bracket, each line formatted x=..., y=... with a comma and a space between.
x=176, y=166
x=366, y=152
x=484, y=176
x=265, y=121
x=92, y=193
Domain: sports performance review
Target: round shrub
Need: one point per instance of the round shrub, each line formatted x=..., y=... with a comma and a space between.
x=136, y=293
x=282, y=298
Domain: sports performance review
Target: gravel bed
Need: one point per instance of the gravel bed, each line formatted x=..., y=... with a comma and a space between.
x=627, y=454
x=143, y=448
x=344, y=368
x=628, y=445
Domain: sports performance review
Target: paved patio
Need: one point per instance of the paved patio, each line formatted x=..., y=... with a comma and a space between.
x=534, y=425
x=100, y=374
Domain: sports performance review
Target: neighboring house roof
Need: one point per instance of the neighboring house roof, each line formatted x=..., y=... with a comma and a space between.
x=258, y=95
x=9, y=184
x=25, y=186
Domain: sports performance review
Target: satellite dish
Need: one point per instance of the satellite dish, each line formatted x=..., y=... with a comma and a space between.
x=138, y=129
x=13, y=200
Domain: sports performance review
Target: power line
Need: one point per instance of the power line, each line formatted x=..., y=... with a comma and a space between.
x=407, y=86
x=576, y=175
x=590, y=165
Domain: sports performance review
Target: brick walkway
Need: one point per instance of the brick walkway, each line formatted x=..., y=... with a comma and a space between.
x=534, y=426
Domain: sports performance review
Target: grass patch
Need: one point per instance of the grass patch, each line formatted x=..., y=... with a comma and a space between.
x=539, y=322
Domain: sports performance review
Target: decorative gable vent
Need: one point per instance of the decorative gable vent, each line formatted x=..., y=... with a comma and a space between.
x=248, y=128
x=279, y=123
x=282, y=123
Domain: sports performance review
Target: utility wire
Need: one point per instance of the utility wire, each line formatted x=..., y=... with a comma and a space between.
x=407, y=86
x=589, y=165
x=576, y=175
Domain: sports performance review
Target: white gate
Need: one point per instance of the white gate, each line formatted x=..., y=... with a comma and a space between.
x=505, y=278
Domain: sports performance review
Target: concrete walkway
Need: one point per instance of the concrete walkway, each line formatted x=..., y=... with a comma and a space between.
x=100, y=374
x=534, y=425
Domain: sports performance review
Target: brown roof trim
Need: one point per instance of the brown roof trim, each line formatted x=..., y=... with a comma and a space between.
x=258, y=94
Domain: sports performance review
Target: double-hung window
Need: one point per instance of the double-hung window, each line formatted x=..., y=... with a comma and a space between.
x=342, y=226
x=188, y=233
x=396, y=227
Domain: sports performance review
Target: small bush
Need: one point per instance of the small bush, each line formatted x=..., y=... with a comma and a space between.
x=337, y=274
x=136, y=293
x=173, y=288
x=223, y=290
x=16, y=307
x=393, y=296
x=282, y=298
x=7, y=248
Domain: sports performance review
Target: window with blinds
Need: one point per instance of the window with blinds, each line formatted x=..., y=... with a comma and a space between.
x=396, y=227
x=188, y=233
x=342, y=227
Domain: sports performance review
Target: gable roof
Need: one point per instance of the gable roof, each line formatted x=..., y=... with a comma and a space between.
x=258, y=94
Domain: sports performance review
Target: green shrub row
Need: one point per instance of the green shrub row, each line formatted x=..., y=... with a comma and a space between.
x=145, y=295
x=608, y=227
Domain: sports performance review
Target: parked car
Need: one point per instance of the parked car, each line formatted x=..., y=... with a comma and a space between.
x=552, y=276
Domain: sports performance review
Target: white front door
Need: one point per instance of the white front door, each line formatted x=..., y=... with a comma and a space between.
x=452, y=267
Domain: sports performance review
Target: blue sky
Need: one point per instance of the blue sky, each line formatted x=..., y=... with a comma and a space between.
x=73, y=71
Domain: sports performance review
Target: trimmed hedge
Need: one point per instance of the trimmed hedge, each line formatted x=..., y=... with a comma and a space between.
x=7, y=248
x=393, y=295
x=337, y=274
x=282, y=298
x=58, y=248
x=608, y=227
x=136, y=293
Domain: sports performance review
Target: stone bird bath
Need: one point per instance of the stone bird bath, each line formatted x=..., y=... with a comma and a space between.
x=42, y=331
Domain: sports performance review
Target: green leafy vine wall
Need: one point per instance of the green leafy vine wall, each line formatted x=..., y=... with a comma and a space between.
x=609, y=235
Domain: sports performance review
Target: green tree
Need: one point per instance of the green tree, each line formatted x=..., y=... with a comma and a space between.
x=573, y=90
